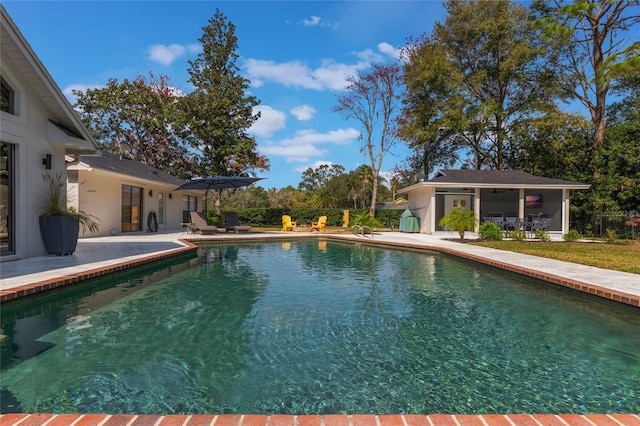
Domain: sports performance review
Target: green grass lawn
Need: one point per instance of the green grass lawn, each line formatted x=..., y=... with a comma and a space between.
x=619, y=256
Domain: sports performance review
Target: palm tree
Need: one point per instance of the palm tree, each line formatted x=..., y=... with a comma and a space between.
x=323, y=198
x=459, y=220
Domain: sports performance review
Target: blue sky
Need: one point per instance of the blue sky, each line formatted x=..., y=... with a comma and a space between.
x=295, y=53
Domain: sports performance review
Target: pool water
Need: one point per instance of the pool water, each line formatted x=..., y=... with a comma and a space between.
x=322, y=327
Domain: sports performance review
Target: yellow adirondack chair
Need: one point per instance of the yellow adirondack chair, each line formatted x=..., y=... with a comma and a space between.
x=320, y=225
x=287, y=223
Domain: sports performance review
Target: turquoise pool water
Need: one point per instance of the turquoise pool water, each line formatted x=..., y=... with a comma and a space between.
x=319, y=327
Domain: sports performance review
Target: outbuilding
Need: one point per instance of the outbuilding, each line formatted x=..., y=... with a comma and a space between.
x=490, y=193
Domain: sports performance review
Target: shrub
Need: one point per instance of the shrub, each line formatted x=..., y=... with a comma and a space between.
x=459, y=220
x=518, y=235
x=363, y=219
x=490, y=231
x=572, y=235
x=611, y=235
x=542, y=235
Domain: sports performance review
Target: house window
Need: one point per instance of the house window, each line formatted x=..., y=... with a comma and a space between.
x=161, y=208
x=7, y=189
x=7, y=102
x=189, y=204
x=131, y=208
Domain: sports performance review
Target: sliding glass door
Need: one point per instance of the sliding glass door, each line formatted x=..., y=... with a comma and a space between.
x=7, y=189
x=131, y=208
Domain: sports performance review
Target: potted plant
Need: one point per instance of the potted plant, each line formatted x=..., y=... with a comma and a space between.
x=59, y=224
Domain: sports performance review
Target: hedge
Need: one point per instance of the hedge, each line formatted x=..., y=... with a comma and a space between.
x=273, y=217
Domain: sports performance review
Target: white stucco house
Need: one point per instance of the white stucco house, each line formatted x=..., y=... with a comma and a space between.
x=38, y=131
x=41, y=134
x=489, y=193
x=128, y=196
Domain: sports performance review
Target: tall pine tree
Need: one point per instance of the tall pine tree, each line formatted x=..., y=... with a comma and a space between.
x=218, y=113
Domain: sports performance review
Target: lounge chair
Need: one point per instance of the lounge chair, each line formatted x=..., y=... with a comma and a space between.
x=287, y=223
x=320, y=225
x=232, y=223
x=199, y=224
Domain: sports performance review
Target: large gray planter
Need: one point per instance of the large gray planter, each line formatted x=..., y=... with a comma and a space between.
x=60, y=234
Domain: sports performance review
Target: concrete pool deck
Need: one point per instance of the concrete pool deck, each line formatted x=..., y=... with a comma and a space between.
x=99, y=256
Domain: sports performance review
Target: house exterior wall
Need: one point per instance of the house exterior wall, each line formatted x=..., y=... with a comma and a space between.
x=99, y=194
x=28, y=131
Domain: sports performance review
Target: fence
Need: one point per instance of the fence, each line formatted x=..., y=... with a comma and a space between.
x=625, y=225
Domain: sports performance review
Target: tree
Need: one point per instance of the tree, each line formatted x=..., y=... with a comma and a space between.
x=313, y=179
x=620, y=180
x=217, y=114
x=593, y=37
x=459, y=220
x=136, y=119
x=471, y=82
x=372, y=100
x=323, y=198
x=253, y=197
x=286, y=198
x=555, y=144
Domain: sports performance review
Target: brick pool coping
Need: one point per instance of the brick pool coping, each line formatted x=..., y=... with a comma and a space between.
x=23, y=419
x=46, y=285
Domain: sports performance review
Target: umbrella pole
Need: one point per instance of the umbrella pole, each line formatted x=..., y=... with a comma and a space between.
x=217, y=204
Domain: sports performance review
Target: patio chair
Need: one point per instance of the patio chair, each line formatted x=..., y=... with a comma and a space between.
x=320, y=225
x=287, y=223
x=232, y=223
x=199, y=224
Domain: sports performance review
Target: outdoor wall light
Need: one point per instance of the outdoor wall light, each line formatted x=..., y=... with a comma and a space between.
x=170, y=196
x=46, y=161
x=150, y=193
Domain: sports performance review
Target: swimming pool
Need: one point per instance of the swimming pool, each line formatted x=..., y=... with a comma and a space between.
x=319, y=327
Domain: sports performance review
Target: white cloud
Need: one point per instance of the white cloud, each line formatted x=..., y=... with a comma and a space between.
x=384, y=49
x=337, y=137
x=389, y=50
x=334, y=75
x=304, y=145
x=314, y=21
x=303, y=112
x=369, y=56
x=299, y=153
x=270, y=121
x=289, y=74
x=329, y=76
x=165, y=55
x=194, y=48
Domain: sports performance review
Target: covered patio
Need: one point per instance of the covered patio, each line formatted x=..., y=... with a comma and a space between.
x=492, y=193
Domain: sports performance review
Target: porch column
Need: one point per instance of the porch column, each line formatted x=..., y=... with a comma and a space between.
x=565, y=211
x=521, y=203
x=476, y=210
x=432, y=211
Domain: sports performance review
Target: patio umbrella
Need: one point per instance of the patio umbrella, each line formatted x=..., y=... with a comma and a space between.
x=217, y=183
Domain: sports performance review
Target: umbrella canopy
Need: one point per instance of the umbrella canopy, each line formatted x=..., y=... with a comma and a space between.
x=218, y=183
